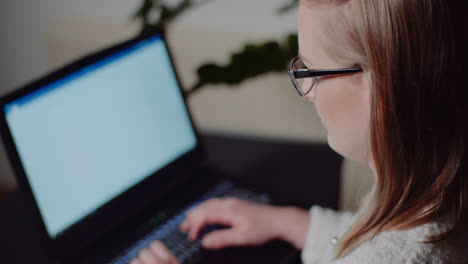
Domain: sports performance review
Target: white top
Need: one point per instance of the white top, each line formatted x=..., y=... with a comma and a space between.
x=387, y=247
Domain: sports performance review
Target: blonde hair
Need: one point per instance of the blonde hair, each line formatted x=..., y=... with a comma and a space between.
x=415, y=52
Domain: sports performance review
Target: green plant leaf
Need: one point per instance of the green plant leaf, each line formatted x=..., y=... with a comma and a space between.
x=144, y=9
x=253, y=60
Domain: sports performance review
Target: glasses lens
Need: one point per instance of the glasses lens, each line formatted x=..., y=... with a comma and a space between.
x=303, y=85
x=307, y=85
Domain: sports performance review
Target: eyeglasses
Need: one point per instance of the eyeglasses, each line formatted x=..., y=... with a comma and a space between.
x=298, y=72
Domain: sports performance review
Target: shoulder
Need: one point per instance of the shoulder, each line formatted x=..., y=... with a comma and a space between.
x=407, y=246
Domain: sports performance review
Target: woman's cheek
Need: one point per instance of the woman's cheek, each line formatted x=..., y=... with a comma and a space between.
x=344, y=113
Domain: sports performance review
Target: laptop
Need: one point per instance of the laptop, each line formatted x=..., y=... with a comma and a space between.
x=107, y=155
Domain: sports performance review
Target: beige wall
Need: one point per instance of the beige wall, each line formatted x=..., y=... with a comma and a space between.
x=264, y=106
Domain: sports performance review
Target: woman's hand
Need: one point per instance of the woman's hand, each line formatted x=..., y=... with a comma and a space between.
x=251, y=223
x=156, y=253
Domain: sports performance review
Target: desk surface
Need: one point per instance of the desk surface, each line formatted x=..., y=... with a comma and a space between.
x=293, y=173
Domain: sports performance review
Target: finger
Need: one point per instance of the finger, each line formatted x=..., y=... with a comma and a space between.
x=223, y=238
x=146, y=256
x=136, y=261
x=214, y=212
x=184, y=226
x=195, y=217
x=190, y=215
x=163, y=252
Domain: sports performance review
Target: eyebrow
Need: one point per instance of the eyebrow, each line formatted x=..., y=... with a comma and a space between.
x=304, y=59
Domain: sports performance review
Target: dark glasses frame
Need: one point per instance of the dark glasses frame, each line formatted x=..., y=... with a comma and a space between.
x=310, y=73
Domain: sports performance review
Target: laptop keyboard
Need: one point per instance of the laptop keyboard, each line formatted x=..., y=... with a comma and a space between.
x=177, y=241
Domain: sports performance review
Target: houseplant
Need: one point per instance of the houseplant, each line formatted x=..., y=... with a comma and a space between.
x=250, y=61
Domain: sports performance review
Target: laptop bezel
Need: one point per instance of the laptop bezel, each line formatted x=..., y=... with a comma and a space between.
x=103, y=220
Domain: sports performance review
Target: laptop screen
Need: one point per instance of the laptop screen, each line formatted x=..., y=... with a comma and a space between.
x=92, y=135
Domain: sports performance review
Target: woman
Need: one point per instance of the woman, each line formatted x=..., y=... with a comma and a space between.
x=400, y=107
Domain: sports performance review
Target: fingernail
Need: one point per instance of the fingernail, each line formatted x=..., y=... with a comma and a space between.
x=206, y=242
